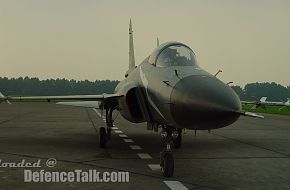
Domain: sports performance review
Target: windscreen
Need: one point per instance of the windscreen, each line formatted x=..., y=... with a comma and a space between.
x=176, y=55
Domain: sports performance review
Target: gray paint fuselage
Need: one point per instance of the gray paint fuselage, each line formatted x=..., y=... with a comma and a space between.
x=181, y=96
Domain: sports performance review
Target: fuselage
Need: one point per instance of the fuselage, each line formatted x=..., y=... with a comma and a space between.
x=169, y=88
x=276, y=103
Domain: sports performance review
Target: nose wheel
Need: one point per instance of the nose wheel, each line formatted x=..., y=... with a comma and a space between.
x=167, y=164
x=171, y=138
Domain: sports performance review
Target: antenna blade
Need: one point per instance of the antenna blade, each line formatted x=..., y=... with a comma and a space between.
x=157, y=42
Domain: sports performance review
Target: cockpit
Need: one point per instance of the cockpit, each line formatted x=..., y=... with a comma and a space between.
x=173, y=54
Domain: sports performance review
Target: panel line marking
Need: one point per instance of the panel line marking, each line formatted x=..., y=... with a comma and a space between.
x=144, y=156
x=175, y=185
x=154, y=166
x=128, y=140
x=135, y=147
x=97, y=112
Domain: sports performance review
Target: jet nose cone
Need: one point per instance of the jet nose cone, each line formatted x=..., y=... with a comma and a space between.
x=204, y=102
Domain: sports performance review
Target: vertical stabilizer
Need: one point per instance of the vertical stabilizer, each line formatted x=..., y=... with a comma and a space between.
x=4, y=98
x=131, y=48
x=263, y=99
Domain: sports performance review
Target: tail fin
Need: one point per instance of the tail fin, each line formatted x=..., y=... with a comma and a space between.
x=1, y=95
x=131, y=48
x=4, y=98
x=263, y=99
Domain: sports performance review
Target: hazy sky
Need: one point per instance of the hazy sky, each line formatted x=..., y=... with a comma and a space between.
x=88, y=39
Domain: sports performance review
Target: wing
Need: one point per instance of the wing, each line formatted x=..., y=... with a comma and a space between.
x=68, y=97
x=88, y=101
x=84, y=104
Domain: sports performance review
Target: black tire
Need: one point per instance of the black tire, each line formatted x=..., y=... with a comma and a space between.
x=108, y=134
x=103, y=139
x=167, y=164
x=177, y=141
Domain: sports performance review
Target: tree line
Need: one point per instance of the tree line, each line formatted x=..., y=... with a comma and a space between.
x=254, y=91
x=33, y=86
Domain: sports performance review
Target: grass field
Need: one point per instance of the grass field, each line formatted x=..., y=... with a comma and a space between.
x=268, y=109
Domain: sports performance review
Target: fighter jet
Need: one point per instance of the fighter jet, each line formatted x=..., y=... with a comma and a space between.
x=169, y=91
x=263, y=103
x=255, y=103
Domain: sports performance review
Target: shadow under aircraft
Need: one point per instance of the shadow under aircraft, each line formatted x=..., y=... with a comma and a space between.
x=169, y=91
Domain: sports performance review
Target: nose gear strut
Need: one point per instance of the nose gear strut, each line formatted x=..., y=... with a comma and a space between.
x=171, y=138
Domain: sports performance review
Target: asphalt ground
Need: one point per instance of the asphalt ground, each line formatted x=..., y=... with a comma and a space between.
x=250, y=154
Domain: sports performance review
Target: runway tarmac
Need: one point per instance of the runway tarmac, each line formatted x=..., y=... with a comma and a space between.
x=250, y=154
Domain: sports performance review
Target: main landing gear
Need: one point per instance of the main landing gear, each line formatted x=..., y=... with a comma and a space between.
x=103, y=137
x=105, y=133
x=171, y=138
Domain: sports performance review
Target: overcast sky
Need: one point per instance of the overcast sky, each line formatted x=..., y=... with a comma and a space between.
x=88, y=39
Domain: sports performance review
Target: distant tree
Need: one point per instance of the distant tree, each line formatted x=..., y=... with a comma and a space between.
x=239, y=91
x=34, y=86
x=273, y=91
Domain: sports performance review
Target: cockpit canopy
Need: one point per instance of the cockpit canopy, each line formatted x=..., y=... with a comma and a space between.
x=173, y=54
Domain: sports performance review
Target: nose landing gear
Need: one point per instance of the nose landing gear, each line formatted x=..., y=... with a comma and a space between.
x=171, y=138
x=167, y=164
x=178, y=138
x=103, y=137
